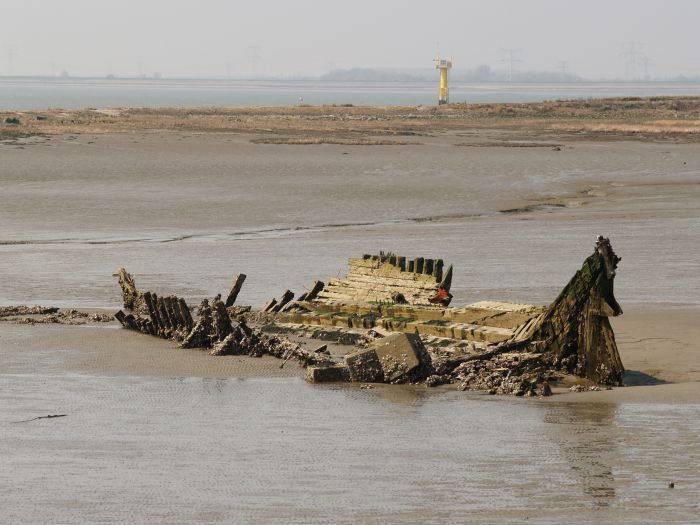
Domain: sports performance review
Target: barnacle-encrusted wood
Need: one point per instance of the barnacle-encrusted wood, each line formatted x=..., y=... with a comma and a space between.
x=133, y=299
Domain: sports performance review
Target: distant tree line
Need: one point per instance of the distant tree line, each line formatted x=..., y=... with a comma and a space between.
x=478, y=74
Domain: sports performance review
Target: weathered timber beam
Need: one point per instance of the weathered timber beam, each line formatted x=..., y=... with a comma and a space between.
x=269, y=305
x=287, y=296
x=315, y=290
x=235, y=289
x=130, y=294
x=185, y=313
x=447, y=279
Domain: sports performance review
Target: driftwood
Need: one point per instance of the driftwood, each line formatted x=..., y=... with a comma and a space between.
x=50, y=416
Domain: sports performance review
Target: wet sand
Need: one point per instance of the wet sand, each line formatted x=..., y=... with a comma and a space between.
x=157, y=434
x=651, y=358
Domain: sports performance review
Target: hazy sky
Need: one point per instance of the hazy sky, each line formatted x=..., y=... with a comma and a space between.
x=307, y=37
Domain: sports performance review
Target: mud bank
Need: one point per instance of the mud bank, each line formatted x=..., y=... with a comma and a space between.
x=659, y=369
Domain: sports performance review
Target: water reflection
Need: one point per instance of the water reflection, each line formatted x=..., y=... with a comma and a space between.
x=584, y=435
x=406, y=395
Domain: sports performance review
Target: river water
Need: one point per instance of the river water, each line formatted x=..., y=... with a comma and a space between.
x=67, y=93
x=139, y=449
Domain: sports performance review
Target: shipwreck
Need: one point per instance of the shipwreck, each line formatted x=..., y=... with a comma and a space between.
x=407, y=330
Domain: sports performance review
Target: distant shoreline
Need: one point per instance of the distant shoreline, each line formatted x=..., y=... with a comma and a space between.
x=622, y=118
x=73, y=93
x=330, y=80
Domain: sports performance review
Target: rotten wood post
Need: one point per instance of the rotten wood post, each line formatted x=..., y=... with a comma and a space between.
x=316, y=288
x=185, y=313
x=235, y=289
x=269, y=305
x=130, y=294
x=287, y=296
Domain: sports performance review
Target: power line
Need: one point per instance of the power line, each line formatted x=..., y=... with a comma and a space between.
x=510, y=60
x=646, y=62
x=254, y=58
x=632, y=53
x=10, y=59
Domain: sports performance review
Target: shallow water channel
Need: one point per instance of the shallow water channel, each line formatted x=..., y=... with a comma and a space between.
x=198, y=450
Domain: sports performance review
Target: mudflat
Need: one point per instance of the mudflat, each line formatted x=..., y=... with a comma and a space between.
x=652, y=359
x=186, y=210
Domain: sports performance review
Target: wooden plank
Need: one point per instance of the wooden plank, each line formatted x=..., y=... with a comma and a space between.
x=386, y=294
x=489, y=317
x=381, y=293
x=329, y=294
x=422, y=280
x=383, y=269
x=407, y=276
x=364, y=263
x=394, y=283
x=503, y=306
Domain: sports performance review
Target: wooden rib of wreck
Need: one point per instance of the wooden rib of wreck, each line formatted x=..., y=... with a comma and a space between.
x=514, y=348
x=218, y=328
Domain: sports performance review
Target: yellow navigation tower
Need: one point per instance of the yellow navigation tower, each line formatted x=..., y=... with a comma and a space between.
x=444, y=66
